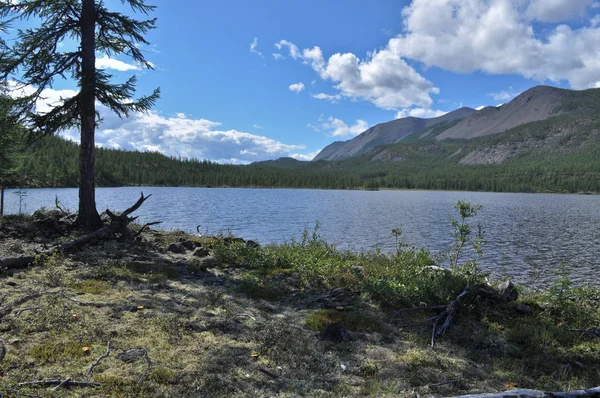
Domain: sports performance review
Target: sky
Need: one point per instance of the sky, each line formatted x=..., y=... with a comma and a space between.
x=249, y=81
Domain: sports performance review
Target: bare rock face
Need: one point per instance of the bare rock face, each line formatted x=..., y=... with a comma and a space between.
x=508, y=291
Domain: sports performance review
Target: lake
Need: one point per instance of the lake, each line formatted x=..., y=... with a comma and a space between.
x=528, y=235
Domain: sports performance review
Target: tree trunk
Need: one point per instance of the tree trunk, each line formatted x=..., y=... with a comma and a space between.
x=88, y=217
x=1, y=200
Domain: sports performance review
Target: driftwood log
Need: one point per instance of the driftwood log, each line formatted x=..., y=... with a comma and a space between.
x=118, y=227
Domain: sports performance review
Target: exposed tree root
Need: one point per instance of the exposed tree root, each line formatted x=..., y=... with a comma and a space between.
x=99, y=359
x=118, y=227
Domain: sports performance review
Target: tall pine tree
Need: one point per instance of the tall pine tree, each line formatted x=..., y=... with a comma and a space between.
x=33, y=60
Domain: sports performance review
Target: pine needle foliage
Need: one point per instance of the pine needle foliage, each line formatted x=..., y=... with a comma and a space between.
x=32, y=61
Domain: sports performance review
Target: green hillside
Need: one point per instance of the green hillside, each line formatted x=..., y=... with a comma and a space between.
x=560, y=154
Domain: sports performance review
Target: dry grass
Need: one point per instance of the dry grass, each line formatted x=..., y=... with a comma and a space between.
x=212, y=332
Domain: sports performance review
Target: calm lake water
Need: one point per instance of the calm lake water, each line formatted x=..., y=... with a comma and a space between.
x=528, y=235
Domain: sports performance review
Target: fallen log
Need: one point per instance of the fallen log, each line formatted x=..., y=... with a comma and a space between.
x=119, y=225
x=523, y=393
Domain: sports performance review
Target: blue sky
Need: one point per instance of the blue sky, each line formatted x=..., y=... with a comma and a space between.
x=245, y=81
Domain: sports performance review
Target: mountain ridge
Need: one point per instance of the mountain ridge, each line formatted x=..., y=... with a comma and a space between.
x=385, y=133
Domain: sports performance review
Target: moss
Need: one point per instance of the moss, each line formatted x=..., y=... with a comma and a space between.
x=90, y=286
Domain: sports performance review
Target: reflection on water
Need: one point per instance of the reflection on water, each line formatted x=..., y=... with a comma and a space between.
x=528, y=235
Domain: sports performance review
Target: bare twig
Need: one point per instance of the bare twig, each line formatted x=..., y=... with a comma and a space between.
x=437, y=320
x=451, y=311
x=82, y=303
x=268, y=373
x=594, y=332
x=145, y=227
x=8, y=308
x=100, y=358
x=19, y=312
x=247, y=316
x=149, y=366
x=64, y=383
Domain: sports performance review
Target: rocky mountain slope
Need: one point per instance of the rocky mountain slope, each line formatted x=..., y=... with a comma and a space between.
x=536, y=104
x=385, y=133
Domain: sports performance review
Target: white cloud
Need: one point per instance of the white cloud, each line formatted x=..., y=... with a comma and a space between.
x=328, y=97
x=296, y=87
x=419, y=112
x=556, y=10
x=307, y=157
x=278, y=56
x=382, y=78
x=500, y=96
x=253, y=47
x=293, y=50
x=312, y=126
x=498, y=37
x=337, y=128
x=105, y=62
x=256, y=126
x=178, y=135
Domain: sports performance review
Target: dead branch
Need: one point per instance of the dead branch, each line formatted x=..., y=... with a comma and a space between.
x=592, y=392
x=55, y=382
x=268, y=373
x=19, y=312
x=146, y=227
x=451, y=311
x=334, y=293
x=435, y=323
x=82, y=303
x=7, y=309
x=118, y=225
x=99, y=359
x=62, y=384
x=594, y=332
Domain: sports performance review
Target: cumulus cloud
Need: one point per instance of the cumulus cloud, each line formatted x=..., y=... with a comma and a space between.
x=177, y=135
x=337, y=128
x=499, y=37
x=307, y=157
x=296, y=87
x=328, y=97
x=556, y=10
x=383, y=77
x=419, y=112
x=106, y=62
x=253, y=47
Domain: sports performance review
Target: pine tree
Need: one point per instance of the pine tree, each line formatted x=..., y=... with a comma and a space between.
x=34, y=60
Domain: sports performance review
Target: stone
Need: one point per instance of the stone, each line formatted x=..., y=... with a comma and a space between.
x=525, y=309
x=508, y=291
x=176, y=248
x=208, y=262
x=188, y=244
x=132, y=355
x=335, y=332
x=200, y=252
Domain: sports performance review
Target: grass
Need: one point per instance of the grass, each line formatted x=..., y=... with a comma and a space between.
x=210, y=331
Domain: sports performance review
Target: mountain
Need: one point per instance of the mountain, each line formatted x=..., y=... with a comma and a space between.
x=385, y=133
x=537, y=103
